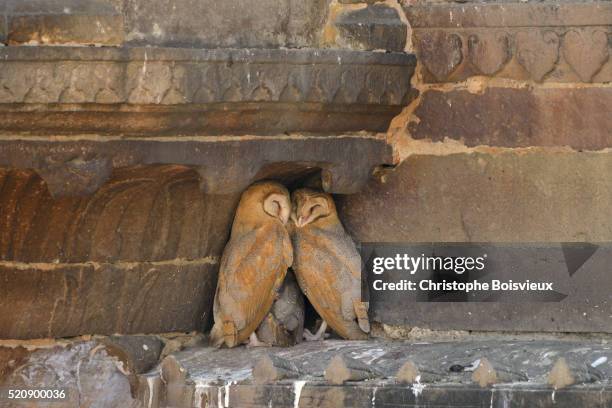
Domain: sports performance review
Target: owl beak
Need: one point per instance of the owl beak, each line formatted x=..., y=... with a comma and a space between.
x=300, y=222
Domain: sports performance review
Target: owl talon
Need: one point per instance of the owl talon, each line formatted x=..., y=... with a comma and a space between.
x=255, y=342
x=318, y=336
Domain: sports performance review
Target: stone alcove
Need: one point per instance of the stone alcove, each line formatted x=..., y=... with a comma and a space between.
x=126, y=139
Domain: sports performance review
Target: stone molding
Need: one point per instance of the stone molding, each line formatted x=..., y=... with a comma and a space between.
x=298, y=90
x=80, y=166
x=554, y=42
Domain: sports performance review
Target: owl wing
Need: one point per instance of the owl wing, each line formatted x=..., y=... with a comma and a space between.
x=252, y=266
x=329, y=269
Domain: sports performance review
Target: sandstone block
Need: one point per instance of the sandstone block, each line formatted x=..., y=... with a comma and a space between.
x=139, y=256
x=66, y=300
x=231, y=23
x=559, y=197
x=153, y=213
x=65, y=165
x=90, y=22
x=510, y=117
x=371, y=28
x=544, y=197
x=562, y=42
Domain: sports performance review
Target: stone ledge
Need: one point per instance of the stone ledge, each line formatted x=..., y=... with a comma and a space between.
x=566, y=42
x=153, y=91
x=72, y=22
x=66, y=164
x=223, y=378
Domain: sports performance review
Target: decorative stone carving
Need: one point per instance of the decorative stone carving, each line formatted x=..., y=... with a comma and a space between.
x=67, y=166
x=537, y=52
x=131, y=258
x=586, y=50
x=440, y=51
x=488, y=52
x=495, y=36
x=200, y=91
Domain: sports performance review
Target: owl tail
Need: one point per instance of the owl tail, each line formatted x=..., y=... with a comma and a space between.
x=361, y=311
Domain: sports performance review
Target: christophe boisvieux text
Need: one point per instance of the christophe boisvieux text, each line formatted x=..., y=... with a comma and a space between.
x=459, y=265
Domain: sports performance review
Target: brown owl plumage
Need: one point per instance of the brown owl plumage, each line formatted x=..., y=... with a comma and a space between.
x=327, y=265
x=253, y=265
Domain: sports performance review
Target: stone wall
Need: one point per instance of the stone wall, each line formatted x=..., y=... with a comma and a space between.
x=509, y=141
x=122, y=163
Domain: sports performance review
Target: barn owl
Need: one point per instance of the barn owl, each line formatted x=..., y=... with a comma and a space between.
x=327, y=265
x=284, y=325
x=253, y=265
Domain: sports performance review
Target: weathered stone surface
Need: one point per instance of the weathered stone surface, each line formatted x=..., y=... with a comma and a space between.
x=154, y=213
x=223, y=378
x=564, y=374
x=230, y=23
x=489, y=52
x=542, y=196
x=85, y=370
x=561, y=42
x=186, y=91
x=579, y=118
x=89, y=22
x=440, y=52
x=70, y=29
x=376, y=27
x=287, y=159
x=586, y=50
x=558, y=197
x=63, y=300
x=509, y=14
x=138, y=354
x=537, y=52
x=139, y=256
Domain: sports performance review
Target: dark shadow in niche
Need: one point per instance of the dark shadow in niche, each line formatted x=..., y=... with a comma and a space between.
x=292, y=174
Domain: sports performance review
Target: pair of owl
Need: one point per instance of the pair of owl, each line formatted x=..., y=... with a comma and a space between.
x=256, y=294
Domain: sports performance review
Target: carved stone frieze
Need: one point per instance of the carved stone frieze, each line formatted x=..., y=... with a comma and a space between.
x=561, y=42
x=164, y=90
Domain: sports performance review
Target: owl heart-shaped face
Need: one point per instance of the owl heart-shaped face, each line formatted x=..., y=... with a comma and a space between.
x=309, y=206
x=277, y=205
